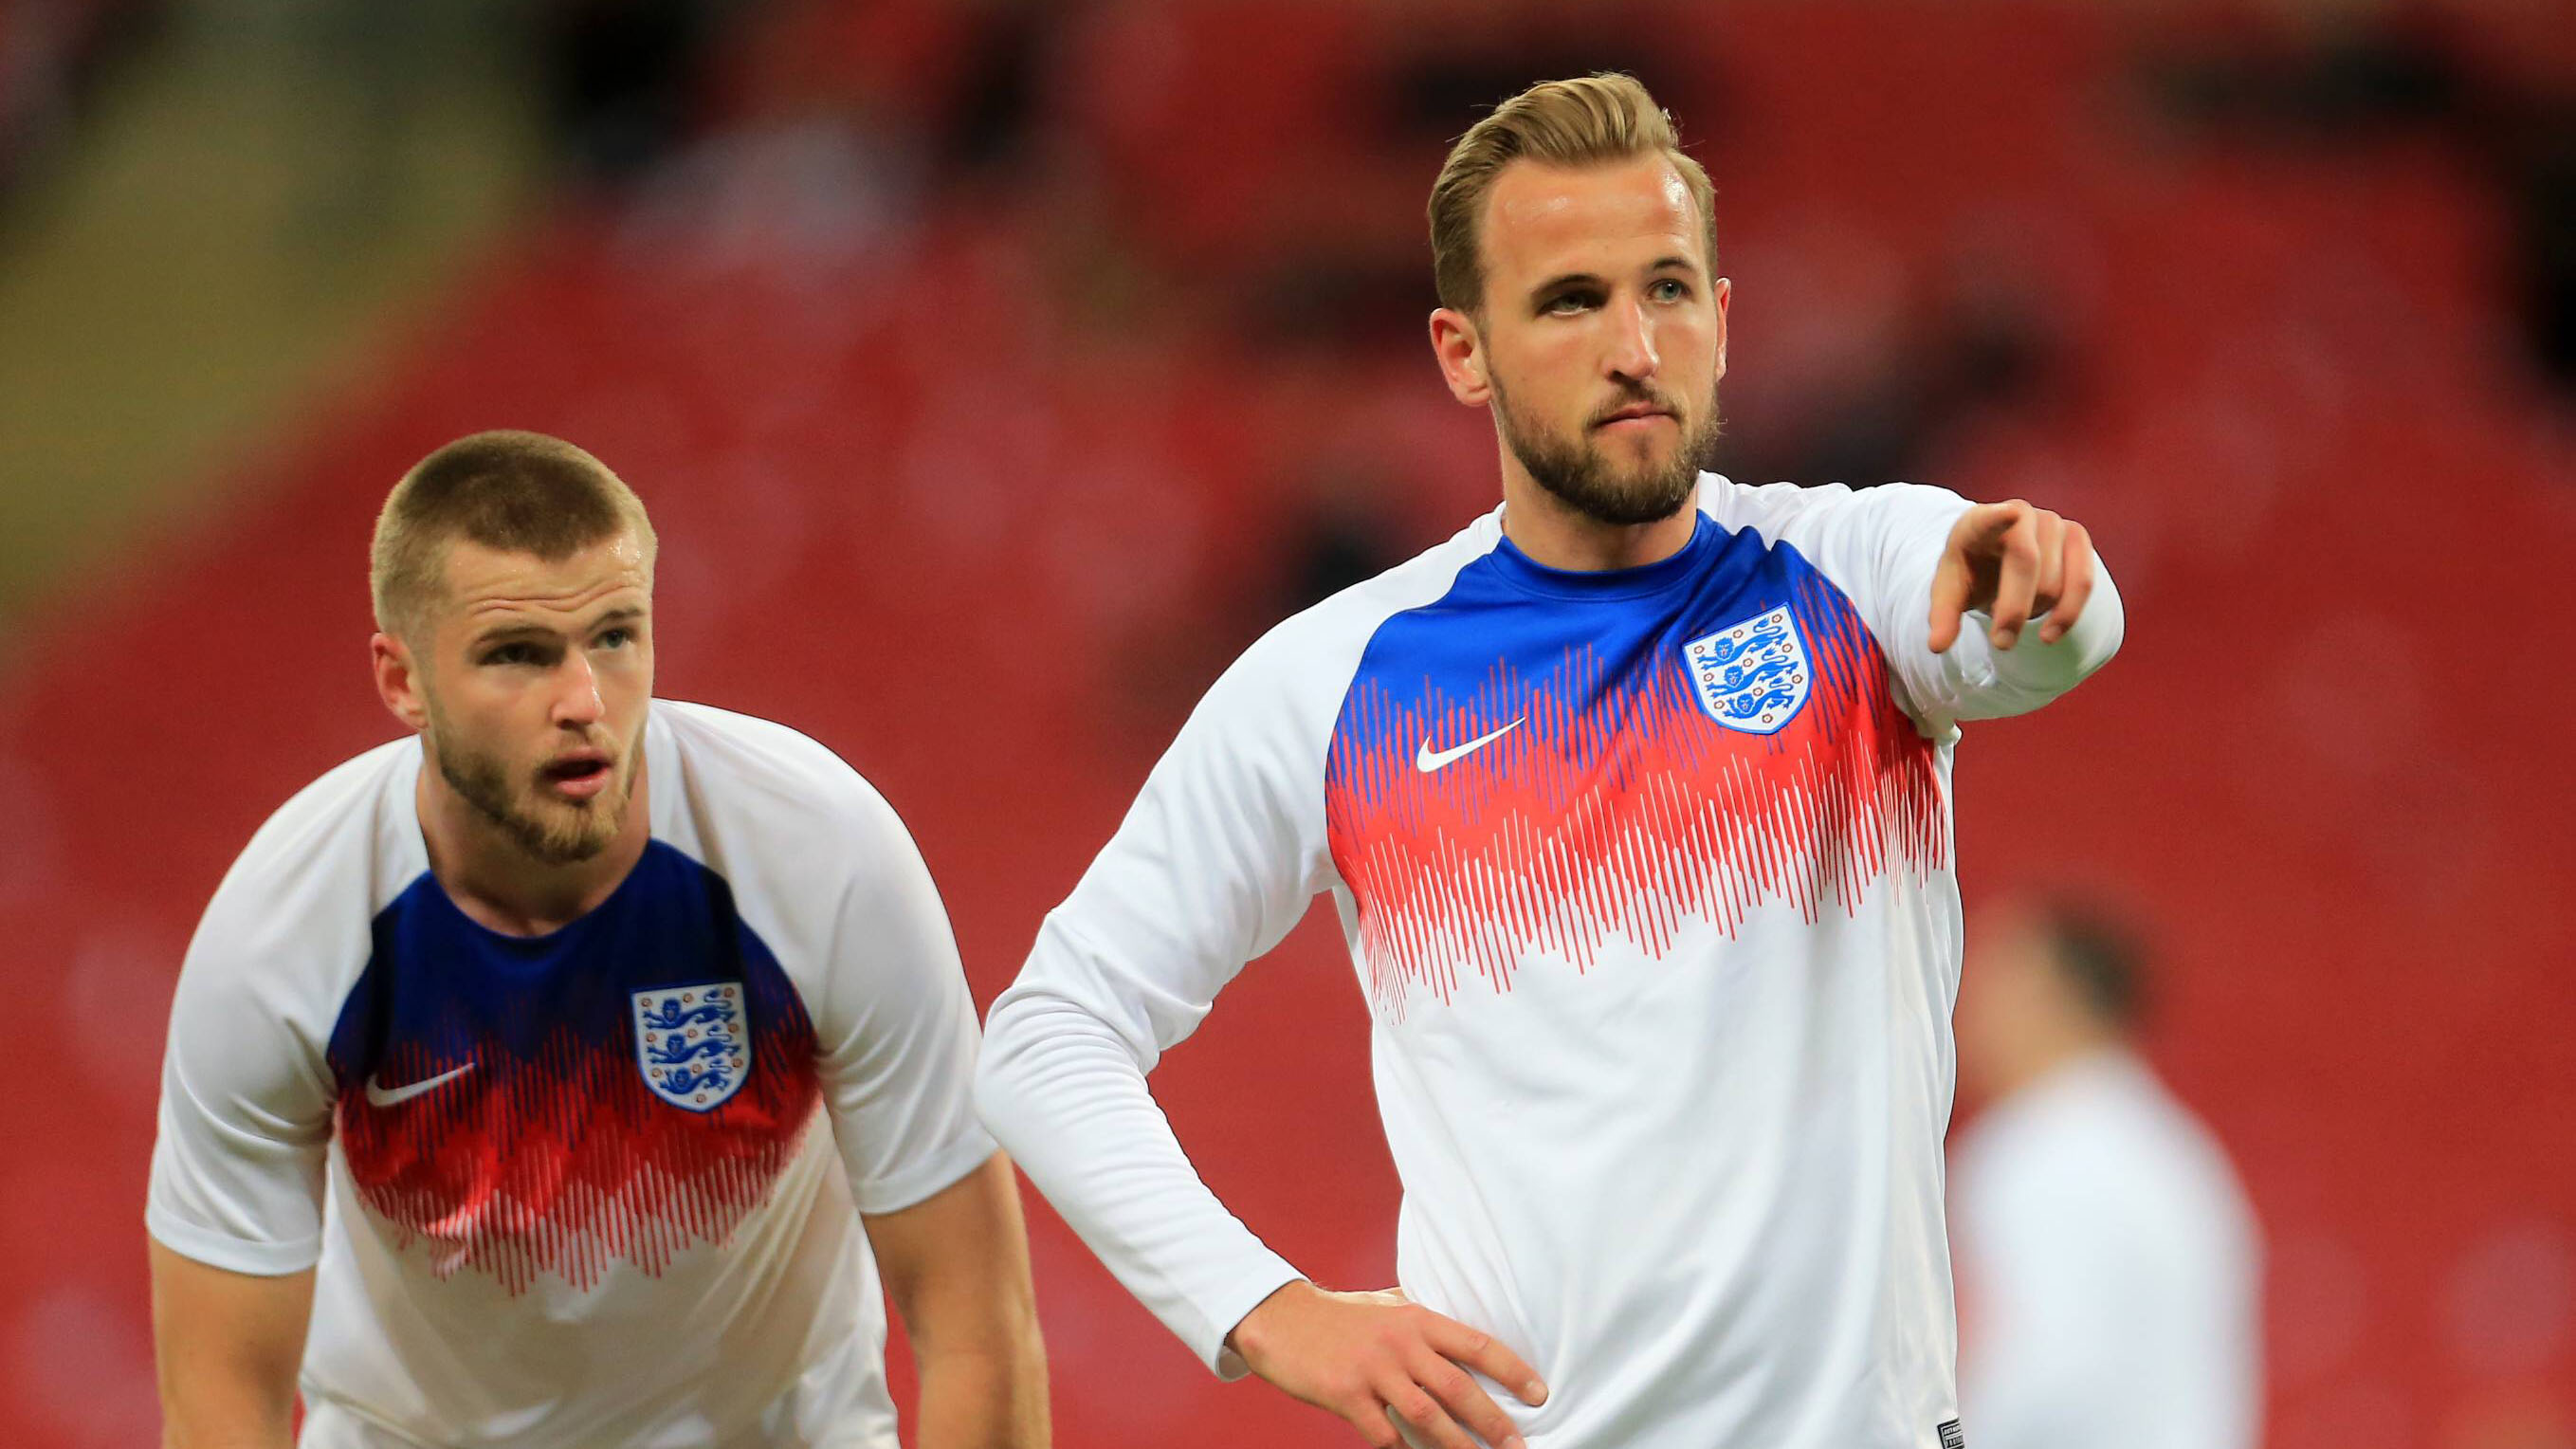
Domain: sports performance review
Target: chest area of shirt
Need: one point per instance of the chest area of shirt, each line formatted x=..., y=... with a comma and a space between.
x=1549, y=715
x=1510, y=778
x=632, y=1084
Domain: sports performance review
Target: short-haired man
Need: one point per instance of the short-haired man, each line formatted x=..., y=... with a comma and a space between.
x=547, y=1002
x=2112, y=1263
x=1634, y=798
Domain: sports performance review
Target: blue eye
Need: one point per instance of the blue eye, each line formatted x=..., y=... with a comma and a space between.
x=1670, y=289
x=616, y=638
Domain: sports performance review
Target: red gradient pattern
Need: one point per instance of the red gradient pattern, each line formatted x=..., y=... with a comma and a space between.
x=566, y=1163
x=1618, y=808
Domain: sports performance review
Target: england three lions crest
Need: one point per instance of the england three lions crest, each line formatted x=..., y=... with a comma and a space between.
x=1753, y=675
x=692, y=1043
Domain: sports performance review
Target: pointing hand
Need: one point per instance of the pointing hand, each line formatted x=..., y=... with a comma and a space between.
x=2015, y=562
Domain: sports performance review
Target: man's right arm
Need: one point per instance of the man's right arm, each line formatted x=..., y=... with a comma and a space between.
x=234, y=1209
x=1215, y=862
x=228, y=1346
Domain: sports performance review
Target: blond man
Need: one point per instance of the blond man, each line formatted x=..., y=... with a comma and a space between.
x=1634, y=801
x=571, y=1071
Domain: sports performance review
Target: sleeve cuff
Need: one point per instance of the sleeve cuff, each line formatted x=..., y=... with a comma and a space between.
x=234, y=1255
x=1229, y=1308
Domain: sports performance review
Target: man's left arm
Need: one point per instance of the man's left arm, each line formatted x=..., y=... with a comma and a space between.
x=897, y=1032
x=957, y=1268
x=2022, y=588
x=1982, y=610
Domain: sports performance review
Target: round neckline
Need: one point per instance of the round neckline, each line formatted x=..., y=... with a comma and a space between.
x=415, y=839
x=1628, y=583
x=560, y=934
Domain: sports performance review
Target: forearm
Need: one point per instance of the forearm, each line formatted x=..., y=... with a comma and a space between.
x=1063, y=1093
x=226, y=1347
x=988, y=1398
x=212, y=1412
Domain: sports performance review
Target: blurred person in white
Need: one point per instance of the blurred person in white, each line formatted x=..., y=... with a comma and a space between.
x=574, y=1066
x=2109, y=1263
x=1633, y=799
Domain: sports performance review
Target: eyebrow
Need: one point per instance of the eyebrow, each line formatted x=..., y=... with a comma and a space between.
x=1588, y=279
x=523, y=629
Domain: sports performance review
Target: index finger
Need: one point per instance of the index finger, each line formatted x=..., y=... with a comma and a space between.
x=1486, y=1355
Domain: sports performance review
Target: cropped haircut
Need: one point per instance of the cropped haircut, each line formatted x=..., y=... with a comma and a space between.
x=514, y=492
x=1587, y=121
x=2100, y=957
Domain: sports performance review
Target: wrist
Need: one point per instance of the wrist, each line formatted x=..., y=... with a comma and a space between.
x=1251, y=1334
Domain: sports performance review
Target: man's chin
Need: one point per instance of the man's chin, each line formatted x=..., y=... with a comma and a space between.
x=1634, y=500
x=568, y=832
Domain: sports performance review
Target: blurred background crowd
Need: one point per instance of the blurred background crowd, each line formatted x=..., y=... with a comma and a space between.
x=996, y=369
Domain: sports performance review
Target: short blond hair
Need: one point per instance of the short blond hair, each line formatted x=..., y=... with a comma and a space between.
x=1581, y=122
x=512, y=491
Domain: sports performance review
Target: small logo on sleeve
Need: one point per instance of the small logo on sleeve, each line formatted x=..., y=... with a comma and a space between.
x=1951, y=1438
x=1752, y=675
x=692, y=1044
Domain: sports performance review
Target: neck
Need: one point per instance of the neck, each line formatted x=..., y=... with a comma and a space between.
x=2048, y=1056
x=1553, y=533
x=498, y=884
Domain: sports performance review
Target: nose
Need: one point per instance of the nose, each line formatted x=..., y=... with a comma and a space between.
x=577, y=702
x=1632, y=356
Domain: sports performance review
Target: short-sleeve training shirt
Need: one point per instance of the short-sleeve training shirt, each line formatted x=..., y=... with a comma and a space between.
x=573, y=1189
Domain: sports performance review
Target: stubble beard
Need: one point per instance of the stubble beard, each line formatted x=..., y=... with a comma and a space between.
x=1580, y=474
x=555, y=832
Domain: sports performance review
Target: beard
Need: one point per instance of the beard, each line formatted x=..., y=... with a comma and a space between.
x=556, y=832
x=1581, y=474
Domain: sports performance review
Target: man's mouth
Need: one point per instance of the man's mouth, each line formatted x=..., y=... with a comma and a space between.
x=578, y=775
x=1635, y=414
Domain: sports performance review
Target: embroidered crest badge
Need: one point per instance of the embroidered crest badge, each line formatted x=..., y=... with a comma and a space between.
x=692, y=1043
x=1752, y=675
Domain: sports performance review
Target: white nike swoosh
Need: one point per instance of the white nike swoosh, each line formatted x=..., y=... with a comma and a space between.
x=388, y=1096
x=1430, y=759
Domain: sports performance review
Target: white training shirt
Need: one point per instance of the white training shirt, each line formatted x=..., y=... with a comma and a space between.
x=2112, y=1270
x=1646, y=875
x=577, y=1189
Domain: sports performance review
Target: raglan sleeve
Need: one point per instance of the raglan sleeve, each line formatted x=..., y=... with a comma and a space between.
x=247, y=1093
x=1881, y=546
x=896, y=1027
x=1216, y=860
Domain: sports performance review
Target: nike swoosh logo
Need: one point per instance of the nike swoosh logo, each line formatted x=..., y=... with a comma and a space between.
x=1430, y=759
x=389, y=1096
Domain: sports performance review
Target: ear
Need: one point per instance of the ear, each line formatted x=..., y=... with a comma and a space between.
x=1724, y=291
x=1461, y=350
x=398, y=681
